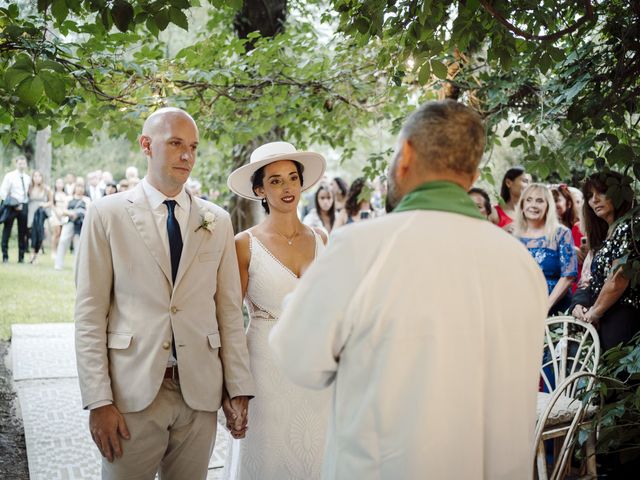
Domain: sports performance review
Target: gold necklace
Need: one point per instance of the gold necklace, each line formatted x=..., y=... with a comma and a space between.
x=288, y=239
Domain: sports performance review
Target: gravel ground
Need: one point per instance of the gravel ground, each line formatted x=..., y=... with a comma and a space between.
x=13, y=451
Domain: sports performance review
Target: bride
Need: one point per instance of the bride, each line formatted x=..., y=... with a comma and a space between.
x=287, y=423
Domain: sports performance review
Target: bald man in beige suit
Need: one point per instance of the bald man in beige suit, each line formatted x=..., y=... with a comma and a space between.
x=159, y=328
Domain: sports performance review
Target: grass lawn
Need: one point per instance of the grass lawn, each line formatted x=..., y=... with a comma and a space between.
x=34, y=293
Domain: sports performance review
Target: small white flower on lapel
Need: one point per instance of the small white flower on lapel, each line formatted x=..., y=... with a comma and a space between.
x=207, y=220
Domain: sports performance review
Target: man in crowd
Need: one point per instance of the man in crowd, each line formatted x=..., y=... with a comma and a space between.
x=14, y=193
x=94, y=191
x=433, y=335
x=159, y=327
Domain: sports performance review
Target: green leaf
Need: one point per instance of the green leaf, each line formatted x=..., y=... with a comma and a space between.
x=30, y=90
x=162, y=19
x=517, y=141
x=13, y=77
x=620, y=154
x=181, y=4
x=362, y=24
x=179, y=18
x=59, y=10
x=23, y=62
x=54, y=86
x=425, y=73
x=43, y=5
x=13, y=11
x=49, y=65
x=5, y=117
x=152, y=27
x=122, y=15
x=439, y=69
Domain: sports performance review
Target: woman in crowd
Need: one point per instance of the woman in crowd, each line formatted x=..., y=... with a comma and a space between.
x=355, y=209
x=609, y=302
x=287, y=423
x=549, y=242
x=57, y=217
x=324, y=213
x=340, y=189
x=482, y=201
x=515, y=180
x=75, y=211
x=40, y=199
x=568, y=213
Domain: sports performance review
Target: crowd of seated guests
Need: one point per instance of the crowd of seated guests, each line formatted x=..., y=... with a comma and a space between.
x=579, y=238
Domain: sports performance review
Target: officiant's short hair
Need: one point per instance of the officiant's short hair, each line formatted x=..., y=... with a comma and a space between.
x=446, y=135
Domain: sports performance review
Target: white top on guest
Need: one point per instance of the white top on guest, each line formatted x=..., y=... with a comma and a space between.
x=16, y=183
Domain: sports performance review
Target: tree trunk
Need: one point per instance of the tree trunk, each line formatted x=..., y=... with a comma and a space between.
x=43, y=154
x=267, y=17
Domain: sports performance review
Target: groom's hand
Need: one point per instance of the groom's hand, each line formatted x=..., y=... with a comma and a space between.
x=236, y=410
x=107, y=425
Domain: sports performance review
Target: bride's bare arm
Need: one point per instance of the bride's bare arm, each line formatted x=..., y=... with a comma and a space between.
x=244, y=256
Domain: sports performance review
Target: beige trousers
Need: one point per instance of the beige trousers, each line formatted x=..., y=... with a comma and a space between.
x=168, y=437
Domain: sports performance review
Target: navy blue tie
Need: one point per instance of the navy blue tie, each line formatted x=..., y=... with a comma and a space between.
x=175, y=238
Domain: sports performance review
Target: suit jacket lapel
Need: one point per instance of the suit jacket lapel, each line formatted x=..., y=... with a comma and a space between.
x=142, y=217
x=192, y=239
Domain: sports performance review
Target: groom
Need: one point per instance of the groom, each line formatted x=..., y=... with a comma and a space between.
x=159, y=328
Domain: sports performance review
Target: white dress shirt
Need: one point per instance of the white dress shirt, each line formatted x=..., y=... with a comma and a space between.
x=161, y=211
x=16, y=185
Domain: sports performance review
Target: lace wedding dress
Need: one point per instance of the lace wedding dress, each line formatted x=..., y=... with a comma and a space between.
x=287, y=423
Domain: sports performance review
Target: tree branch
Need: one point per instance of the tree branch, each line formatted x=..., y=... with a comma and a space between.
x=589, y=15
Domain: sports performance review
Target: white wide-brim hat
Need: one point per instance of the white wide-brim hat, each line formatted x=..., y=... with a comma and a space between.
x=239, y=182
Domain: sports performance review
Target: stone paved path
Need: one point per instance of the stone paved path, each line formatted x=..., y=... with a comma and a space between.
x=59, y=446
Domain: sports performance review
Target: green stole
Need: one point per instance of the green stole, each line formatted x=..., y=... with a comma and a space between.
x=439, y=195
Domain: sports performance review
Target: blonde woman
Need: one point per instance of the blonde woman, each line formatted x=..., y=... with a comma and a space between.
x=550, y=243
x=40, y=200
x=287, y=423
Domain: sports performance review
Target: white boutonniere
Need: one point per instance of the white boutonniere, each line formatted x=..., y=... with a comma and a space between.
x=207, y=220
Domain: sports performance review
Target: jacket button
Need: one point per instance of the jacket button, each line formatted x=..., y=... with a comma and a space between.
x=166, y=345
x=174, y=310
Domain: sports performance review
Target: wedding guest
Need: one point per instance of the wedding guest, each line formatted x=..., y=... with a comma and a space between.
x=324, y=213
x=110, y=188
x=57, y=218
x=549, y=243
x=515, y=180
x=40, y=202
x=610, y=301
x=158, y=316
x=568, y=216
x=482, y=201
x=69, y=184
x=14, y=193
x=355, y=208
x=70, y=234
x=288, y=422
x=94, y=192
x=123, y=185
x=426, y=385
x=131, y=174
x=340, y=189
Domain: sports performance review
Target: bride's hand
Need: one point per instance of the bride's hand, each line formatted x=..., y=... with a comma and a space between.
x=235, y=411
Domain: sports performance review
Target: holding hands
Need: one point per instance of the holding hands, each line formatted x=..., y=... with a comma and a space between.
x=587, y=315
x=236, y=411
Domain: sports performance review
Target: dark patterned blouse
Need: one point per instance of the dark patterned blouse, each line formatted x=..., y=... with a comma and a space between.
x=616, y=246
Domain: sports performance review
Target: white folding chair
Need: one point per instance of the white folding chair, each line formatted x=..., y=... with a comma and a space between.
x=570, y=346
x=560, y=414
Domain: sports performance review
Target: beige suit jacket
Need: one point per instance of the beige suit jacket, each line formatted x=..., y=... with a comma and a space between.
x=126, y=307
